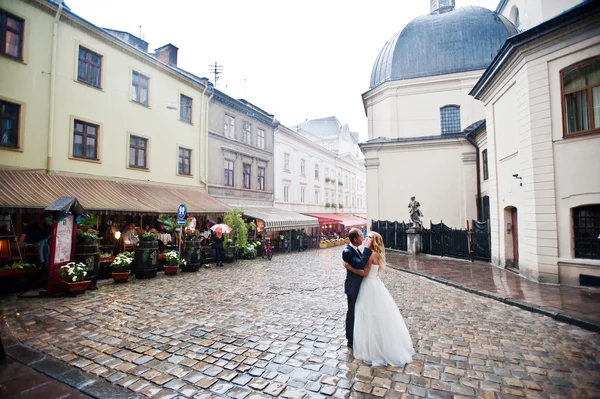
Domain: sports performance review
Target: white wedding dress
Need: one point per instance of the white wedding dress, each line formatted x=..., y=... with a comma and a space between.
x=380, y=335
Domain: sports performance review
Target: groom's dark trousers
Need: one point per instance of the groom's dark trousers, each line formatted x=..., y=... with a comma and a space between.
x=352, y=285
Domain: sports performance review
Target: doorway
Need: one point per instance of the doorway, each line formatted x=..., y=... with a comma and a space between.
x=511, y=238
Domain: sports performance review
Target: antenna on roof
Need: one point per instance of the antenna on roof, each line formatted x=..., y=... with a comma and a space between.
x=215, y=70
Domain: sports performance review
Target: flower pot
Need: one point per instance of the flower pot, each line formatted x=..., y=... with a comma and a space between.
x=121, y=277
x=229, y=254
x=86, y=252
x=145, y=259
x=191, y=252
x=171, y=270
x=77, y=288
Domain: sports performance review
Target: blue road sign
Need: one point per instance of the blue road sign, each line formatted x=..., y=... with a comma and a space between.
x=181, y=222
x=181, y=212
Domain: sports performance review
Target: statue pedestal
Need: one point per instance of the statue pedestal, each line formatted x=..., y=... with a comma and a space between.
x=414, y=240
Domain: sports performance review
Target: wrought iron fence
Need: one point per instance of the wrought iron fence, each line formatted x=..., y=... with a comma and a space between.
x=393, y=233
x=441, y=240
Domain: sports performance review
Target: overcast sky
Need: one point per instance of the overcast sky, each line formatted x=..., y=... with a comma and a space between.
x=297, y=60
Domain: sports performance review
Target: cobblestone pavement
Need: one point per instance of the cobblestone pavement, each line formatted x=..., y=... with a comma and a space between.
x=258, y=329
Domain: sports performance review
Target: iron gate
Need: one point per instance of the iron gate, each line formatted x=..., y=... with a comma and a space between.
x=439, y=239
x=393, y=233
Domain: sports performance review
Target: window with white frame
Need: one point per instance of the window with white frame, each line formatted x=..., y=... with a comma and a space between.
x=260, y=138
x=247, y=133
x=317, y=197
x=317, y=171
x=286, y=193
x=261, y=178
x=229, y=127
x=247, y=172
x=302, y=193
x=286, y=162
x=303, y=167
x=139, y=88
x=229, y=173
x=185, y=108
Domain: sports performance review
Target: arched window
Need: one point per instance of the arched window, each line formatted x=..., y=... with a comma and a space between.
x=581, y=97
x=586, y=231
x=450, y=119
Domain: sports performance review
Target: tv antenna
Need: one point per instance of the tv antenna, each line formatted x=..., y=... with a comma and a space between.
x=216, y=70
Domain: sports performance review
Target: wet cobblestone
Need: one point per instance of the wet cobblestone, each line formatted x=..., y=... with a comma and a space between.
x=258, y=329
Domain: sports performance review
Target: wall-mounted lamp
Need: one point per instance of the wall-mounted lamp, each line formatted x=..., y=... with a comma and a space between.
x=117, y=234
x=516, y=176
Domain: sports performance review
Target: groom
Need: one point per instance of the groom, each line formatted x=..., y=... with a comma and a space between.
x=357, y=259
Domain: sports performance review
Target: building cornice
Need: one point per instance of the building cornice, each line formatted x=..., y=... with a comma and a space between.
x=569, y=20
x=239, y=106
x=458, y=139
x=69, y=17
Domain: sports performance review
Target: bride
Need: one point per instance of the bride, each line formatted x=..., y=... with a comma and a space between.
x=380, y=335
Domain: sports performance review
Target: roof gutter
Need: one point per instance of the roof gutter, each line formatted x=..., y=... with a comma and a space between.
x=53, y=86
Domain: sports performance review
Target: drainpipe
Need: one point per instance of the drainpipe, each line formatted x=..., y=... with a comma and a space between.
x=201, y=139
x=479, y=199
x=206, y=136
x=53, y=86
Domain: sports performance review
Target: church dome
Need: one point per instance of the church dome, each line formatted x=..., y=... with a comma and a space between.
x=464, y=39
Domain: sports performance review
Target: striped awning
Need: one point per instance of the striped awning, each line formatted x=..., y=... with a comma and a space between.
x=21, y=189
x=277, y=219
x=348, y=220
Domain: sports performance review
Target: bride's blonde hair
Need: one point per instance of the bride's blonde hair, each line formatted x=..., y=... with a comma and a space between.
x=379, y=248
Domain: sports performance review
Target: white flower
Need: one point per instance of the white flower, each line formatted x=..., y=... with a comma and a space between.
x=74, y=278
x=84, y=274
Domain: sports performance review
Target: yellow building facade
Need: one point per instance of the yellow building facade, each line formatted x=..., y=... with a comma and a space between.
x=76, y=99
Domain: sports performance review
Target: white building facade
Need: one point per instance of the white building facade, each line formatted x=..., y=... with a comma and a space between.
x=309, y=178
x=513, y=140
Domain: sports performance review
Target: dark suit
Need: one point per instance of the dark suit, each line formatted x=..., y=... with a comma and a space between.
x=352, y=285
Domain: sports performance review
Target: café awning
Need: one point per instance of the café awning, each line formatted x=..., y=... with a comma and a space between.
x=346, y=219
x=37, y=190
x=277, y=219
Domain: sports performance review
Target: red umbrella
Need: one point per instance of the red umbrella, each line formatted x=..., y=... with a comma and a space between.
x=221, y=228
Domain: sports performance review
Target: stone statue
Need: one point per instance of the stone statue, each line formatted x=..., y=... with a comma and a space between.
x=415, y=211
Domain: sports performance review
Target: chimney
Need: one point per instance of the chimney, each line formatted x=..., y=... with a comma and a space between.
x=441, y=6
x=167, y=54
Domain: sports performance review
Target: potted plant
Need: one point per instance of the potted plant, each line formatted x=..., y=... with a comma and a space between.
x=340, y=206
x=249, y=251
x=121, y=267
x=238, y=237
x=327, y=205
x=150, y=235
x=145, y=260
x=172, y=262
x=327, y=180
x=74, y=276
x=191, y=251
x=169, y=222
x=340, y=183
